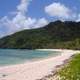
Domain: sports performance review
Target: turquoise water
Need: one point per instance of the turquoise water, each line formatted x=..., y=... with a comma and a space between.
x=13, y=56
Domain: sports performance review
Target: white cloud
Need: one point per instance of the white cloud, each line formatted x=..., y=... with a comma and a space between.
x=23, y=6
x=20, y=21
x=23, y=21
x=41, y=22
x=78, y=19
x=58, y=10
x=7, y=26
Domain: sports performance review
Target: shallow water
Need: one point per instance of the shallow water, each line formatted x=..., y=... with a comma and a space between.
x=16, y=56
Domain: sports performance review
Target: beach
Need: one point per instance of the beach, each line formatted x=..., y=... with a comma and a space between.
x=37, y=69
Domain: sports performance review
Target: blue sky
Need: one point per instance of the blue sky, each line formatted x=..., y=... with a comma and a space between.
x=36, y=8
x=17, y=15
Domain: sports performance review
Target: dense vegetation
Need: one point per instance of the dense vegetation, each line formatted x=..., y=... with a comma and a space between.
x=54, y=35
x=72, y=70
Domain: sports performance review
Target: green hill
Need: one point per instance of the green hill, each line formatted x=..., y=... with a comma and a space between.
x=54, y=35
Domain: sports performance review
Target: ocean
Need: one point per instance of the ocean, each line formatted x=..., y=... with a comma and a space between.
x=17, y=56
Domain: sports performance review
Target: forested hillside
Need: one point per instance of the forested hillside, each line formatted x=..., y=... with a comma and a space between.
x=54, y=35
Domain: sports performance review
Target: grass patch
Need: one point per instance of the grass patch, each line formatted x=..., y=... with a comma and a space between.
x=71, y=71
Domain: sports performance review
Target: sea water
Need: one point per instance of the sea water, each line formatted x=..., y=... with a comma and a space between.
x=17, y=56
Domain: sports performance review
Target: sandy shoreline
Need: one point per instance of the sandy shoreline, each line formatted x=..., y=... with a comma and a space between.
x=35, y=70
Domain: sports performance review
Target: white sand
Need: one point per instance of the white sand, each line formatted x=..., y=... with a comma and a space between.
x=34, y=70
